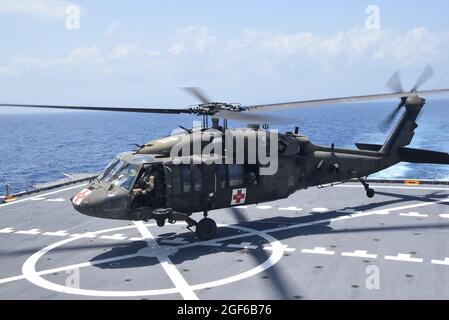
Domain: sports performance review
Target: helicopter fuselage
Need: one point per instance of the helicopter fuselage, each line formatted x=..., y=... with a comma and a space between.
x=201, y=186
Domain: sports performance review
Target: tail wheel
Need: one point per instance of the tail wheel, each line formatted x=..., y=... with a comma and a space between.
x=160, y=222
x=206, y=229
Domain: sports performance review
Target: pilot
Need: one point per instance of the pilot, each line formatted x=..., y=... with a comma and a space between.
x=145, y=186
x=251, y=179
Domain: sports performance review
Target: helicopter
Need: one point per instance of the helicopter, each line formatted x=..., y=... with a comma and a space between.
x=159, y=182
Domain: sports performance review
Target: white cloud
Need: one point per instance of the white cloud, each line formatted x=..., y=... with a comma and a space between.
x=193, y=39
x=283, y=62
x=84, y=56
x=355, y=45
x=38, y=8
x=122, y=51
x=78, y=57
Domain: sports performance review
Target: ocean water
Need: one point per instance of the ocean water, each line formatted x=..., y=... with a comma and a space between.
x=37, y=147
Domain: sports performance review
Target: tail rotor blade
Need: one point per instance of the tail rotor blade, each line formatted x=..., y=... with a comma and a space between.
x=425, y=76
x=386, y=124
x=395, y=83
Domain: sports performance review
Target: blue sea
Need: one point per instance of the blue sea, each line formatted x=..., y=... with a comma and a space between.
x=37, y=147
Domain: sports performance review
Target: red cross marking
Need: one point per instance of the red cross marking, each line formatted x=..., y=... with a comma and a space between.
x=80, y=196
x=239, y=196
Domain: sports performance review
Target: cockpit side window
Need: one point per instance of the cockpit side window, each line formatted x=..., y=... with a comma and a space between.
x=108, y=168
x=126, y=176
x=110, y=173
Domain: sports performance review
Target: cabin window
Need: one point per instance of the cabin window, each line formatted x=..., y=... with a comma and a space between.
x=291, y=181
x=236, y=175
x=197, y=179
x=186, y=178
x=222, y=176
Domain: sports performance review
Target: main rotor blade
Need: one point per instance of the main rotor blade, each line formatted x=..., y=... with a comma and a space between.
x=335, y=101
x=197, y=93
x=118, y=109
x=395, y=83
x=278, y=280
x=249, y=117
x=426, y=75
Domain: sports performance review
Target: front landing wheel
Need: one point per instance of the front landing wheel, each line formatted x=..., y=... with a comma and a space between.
x=206, y=229
x=370, y=193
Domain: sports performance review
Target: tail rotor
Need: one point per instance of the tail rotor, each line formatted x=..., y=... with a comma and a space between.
x=395, y=85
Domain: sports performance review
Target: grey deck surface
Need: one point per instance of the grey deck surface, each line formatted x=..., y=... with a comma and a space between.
x=319, y=244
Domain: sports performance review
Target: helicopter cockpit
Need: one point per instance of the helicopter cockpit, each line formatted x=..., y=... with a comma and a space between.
x=130, y=182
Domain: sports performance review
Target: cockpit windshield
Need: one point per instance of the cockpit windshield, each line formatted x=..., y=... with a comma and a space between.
x=126, y=176
x=111, y=170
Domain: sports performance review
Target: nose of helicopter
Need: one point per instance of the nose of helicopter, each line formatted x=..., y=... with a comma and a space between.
x=86, y=201
x=97, y=202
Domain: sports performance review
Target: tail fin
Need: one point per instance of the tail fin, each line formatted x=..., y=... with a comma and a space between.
x=404, y=131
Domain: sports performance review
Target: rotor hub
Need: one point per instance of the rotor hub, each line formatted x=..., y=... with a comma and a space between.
x=414, y=100
x=210, y=109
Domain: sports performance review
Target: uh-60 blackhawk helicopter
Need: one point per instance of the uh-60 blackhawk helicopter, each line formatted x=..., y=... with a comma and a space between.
x=152, y=182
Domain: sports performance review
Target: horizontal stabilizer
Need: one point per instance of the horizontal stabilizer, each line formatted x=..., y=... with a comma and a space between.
x=368, y=147
x=423, y=156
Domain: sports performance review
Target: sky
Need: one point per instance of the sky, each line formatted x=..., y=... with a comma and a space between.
x=140, y=53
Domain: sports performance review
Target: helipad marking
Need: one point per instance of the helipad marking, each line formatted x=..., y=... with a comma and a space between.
x=414, y=215
x=37, y=199
x=43, y=195
x=441, y=262
x=175, y=276
x=137, y=239
x=292, y=208
x=264, y=207
x=175, y=241
x=243, y=245
x=117, y=236
x=60, y=233
x=359, y=254
x=30, y=232
x=444, y=216
x=285, y=248
x=84, y=235
x=33, y=276
x=320, y=210
x=358, y=215
x=348, y=211
x=382, y=212
x=7, y=230
x=404, y=257
x=56, y=200
x=318, y=250
x=211, y=243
